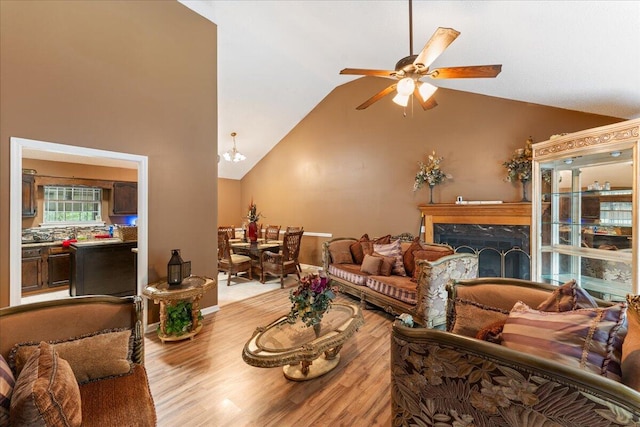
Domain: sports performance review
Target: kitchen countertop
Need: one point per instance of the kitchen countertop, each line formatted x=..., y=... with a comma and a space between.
x=96, y=242
x=31, y=244
x=89, y=242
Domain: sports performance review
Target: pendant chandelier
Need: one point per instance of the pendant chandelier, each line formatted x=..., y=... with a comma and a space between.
x=234, y=155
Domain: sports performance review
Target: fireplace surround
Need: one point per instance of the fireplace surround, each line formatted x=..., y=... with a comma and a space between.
x=499, y=233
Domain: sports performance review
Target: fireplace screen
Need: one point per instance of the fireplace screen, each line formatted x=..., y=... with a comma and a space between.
x=503, y=250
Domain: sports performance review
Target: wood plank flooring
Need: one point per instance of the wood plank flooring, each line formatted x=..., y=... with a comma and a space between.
x=205, y=382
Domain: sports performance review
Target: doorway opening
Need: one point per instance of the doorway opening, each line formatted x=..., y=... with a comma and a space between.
x=21, y=147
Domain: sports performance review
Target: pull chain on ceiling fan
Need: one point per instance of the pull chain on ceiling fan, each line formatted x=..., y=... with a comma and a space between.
x=410, y=69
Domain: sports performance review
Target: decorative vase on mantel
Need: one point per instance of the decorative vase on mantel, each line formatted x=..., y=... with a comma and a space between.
x=431, y=193
x=524, y=191
x=253, y=232
x=316, y=329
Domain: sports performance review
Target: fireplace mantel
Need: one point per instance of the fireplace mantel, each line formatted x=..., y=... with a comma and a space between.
x=489, y=214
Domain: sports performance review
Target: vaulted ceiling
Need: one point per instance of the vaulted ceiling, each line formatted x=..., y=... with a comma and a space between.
x=278, y=59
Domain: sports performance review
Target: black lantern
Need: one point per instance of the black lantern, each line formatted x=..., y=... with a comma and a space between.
x=174, y=268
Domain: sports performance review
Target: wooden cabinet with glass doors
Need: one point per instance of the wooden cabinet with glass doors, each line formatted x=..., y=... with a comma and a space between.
x=586, y=210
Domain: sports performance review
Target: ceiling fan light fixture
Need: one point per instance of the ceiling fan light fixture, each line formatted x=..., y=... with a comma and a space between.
x=426, y=90
x=401, y=100
x=234, y=155
x=406, y=86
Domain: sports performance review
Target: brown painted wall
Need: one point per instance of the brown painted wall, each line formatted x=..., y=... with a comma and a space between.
x=350, y=172
x=136, y=77
x=230, y=211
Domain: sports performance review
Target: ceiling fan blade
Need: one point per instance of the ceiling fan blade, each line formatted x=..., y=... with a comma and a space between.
x=365, y=72
x=378, y=96
x=473, y=71
x=426, y=105
x=438, y=42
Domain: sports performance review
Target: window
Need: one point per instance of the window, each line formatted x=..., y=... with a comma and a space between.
x=64, y=205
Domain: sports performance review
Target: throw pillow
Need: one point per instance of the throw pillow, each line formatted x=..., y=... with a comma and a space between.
x=407, y=257
x=631, y=345
x=7, y=382
x=387, y=264
x=46, y=392
x=435, y=251
x=492, y=333
x=356, y=249
x=340, y=252
x=469, y=317
x=568, y=297
x=367, y=248
x=394, y=250
x=581, y=338
x=94, y=356
x=371, y=265
x=384, y=240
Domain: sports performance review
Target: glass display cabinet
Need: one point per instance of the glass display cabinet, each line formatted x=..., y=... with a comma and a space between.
x=585, y=210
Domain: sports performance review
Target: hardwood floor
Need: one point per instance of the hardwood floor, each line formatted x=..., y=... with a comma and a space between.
x=205, y=382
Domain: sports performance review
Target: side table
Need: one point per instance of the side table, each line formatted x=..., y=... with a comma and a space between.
x=192, y=289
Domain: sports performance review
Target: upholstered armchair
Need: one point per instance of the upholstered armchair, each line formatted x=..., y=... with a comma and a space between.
x=456, y=378
x=230, y=262
x=272, y=232
x=283, y=263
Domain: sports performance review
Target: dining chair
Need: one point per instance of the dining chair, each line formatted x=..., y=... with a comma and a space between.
x=229, y=229
x=230, y=262
x=283, y=263
x=289, y=230
x=272, y=232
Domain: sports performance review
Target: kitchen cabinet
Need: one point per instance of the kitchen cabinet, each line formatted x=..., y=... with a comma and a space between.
x=103, y=269
x=45, y=268
x=29, y=207
x=32, y=279
x=583, y=229
x=59, y=267
x=124, y=198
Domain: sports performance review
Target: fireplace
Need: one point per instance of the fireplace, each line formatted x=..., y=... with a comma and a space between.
x=503, y=250
x=500, y=234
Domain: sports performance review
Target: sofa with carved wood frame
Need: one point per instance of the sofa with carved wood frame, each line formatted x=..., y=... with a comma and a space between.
x=421, y=293
x=451, y=379
x=94, y=362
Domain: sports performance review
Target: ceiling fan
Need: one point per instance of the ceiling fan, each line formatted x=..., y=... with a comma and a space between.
x=409, y=70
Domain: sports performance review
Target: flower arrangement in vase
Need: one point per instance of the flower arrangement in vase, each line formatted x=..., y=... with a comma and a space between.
x=430, y=173
x=519, y=167
x=253, y=216
x=310, y=300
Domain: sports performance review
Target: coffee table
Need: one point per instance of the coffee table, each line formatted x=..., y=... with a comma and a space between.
x=296, y=347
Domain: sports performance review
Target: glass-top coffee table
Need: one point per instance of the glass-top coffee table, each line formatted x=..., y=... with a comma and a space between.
x=296, y=347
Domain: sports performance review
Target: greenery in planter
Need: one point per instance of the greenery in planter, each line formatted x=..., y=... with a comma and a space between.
x=179, y=318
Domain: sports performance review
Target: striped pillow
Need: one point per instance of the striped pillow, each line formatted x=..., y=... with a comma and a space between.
x=7, y=382
x=393, y=249
x=631, y=345
x=584, y=338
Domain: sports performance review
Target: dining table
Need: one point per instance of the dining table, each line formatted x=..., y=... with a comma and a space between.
x=254, y=250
